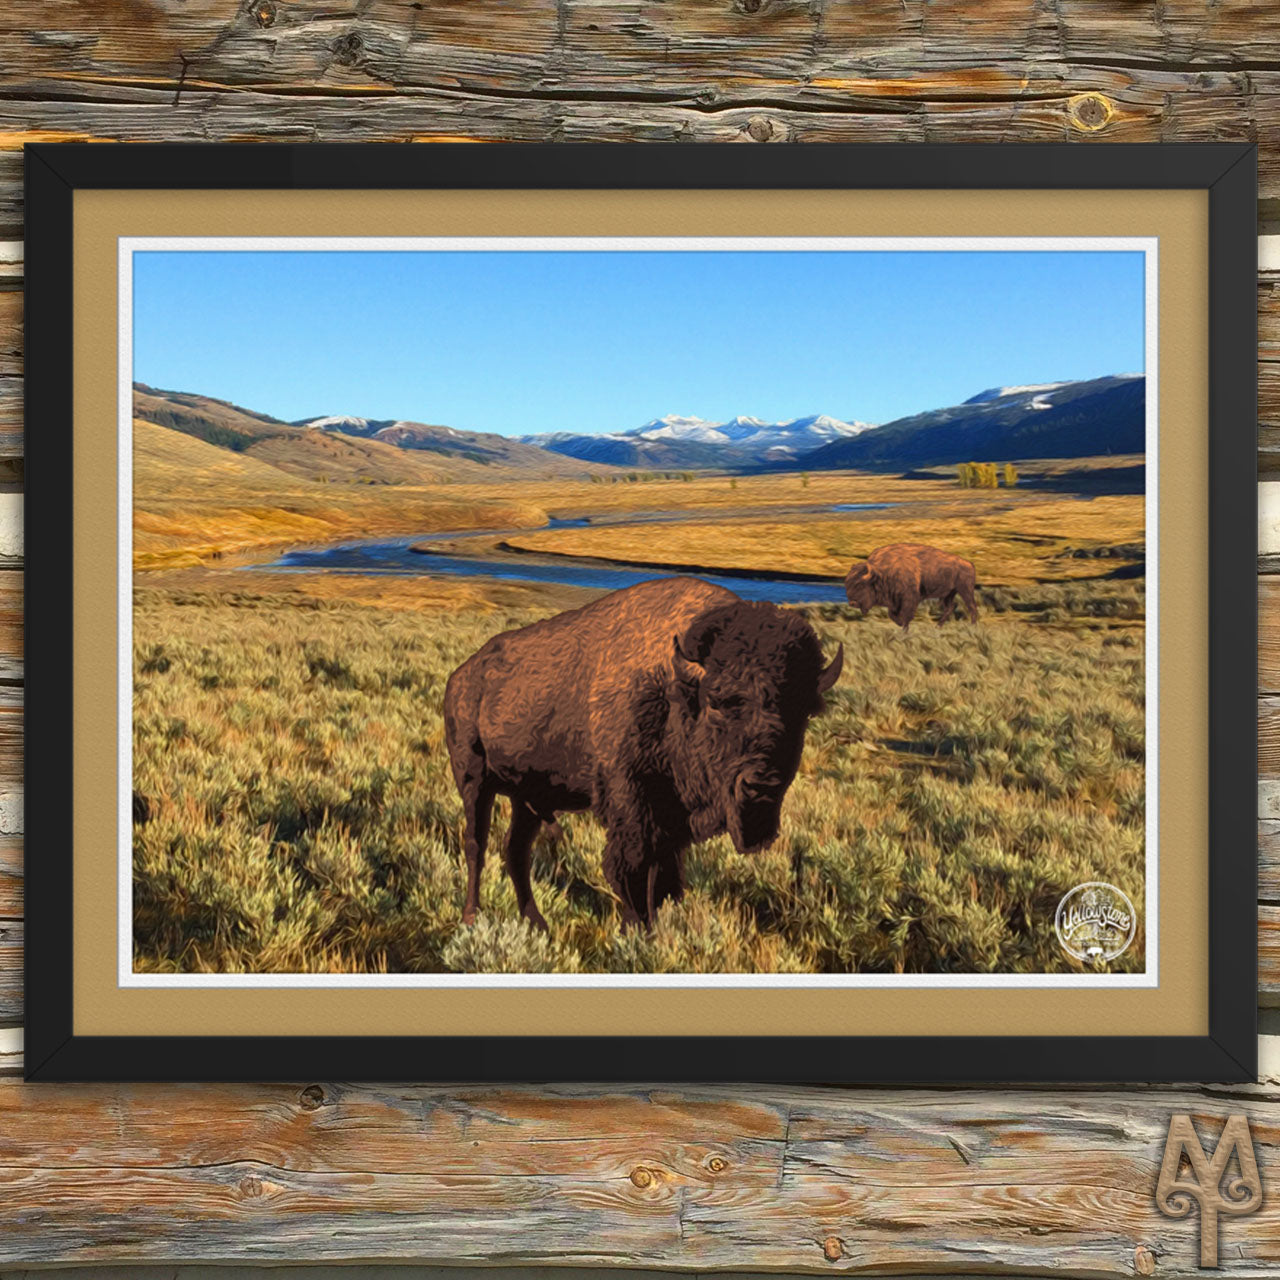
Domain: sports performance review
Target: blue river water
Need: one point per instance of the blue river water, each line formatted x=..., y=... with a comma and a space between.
x=395, y=556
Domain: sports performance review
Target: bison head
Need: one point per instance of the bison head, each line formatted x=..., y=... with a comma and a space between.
x=750, y=676
x=860, y=587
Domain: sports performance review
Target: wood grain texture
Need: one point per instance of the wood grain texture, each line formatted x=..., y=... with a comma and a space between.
x=1269, y=372
x=10, y=373
x=11, y=596
x=800, y=1180
x=788, y=1179
x=1269, y=860
x=1268, y=954
x=11, y=877
x=621, y=70
x=10, y=971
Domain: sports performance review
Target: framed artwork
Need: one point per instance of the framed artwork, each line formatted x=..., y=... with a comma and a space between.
x=655, y=613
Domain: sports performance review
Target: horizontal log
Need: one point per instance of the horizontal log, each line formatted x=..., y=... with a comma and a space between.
x=289, y=86
x=10, y=529
x=1269, y=860
x=1268, y=521
x=603, y=44
x=10, y=971
x=11, y=752
x=11, y=628
x=1268, y=954
x=10, y=333
x=1269, y=737
x=10, y=374
x=11, y=878
x=1269, y=354
x=1268, y=634
x=11, y=1051
x=798, y=1180
x=764, y=49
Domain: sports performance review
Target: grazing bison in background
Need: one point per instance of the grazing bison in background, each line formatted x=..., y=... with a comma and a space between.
x=672, y=709
x=901, y=575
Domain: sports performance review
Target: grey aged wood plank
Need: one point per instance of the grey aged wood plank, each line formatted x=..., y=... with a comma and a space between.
x=1269, y=860
x=1269, y=737
x=10, y=972
x=708, y=1178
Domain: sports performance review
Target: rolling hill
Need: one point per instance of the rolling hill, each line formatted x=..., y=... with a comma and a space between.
x=194, y=501
x=354, y=450
x=479, y=448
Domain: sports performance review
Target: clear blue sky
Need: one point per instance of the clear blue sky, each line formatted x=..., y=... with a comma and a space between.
x=586, y=341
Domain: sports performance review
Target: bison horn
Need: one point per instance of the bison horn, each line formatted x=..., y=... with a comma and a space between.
x=831, y=672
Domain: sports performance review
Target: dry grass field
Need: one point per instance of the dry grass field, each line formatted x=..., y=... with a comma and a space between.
x=300, y=813
x=1014, y=539
x=195, y=503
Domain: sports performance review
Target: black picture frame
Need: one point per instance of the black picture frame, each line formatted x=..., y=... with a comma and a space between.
x=1227, y=171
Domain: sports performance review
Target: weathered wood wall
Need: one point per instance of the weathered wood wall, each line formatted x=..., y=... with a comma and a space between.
x=801, y=1179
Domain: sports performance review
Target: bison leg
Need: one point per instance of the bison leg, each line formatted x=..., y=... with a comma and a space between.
x=518, y=855
x=642, y=886
x=948, y=607
x=970, y=604
x=477, y=808
x=628, y=881
x=903, y=615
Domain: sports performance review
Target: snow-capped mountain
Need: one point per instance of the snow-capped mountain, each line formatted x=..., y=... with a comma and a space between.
x=1043, y=420
x=999, y=393
x=675, y=427
x=680, y=441
x=347, y=425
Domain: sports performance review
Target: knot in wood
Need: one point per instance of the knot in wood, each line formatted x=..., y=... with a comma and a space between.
x=642, y=1177
x=760, y=128
x=717, y=1164
x=1144, y=1261
x=311, y=1097
x=749, y=6
x=264, y=13
x=250, y=1186
x=832, y=1249
x=1090, y=111
x=346, y=49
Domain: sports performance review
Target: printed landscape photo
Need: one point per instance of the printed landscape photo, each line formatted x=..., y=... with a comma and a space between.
x=596, y=612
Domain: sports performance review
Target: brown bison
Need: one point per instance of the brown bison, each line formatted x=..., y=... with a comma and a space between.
x=901, y=575
x=672, y=709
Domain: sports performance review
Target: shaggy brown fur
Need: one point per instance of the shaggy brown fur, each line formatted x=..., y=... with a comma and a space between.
x=672, y=709
x=901, y=575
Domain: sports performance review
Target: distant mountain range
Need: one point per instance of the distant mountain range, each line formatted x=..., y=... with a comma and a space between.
x=1043, y=420
x=680, y=442
x=1049, y=420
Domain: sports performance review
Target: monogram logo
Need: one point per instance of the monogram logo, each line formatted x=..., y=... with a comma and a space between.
x=1095, y=922
x=1239, y=1195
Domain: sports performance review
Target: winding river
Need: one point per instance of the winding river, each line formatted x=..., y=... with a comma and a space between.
x=396, y=556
